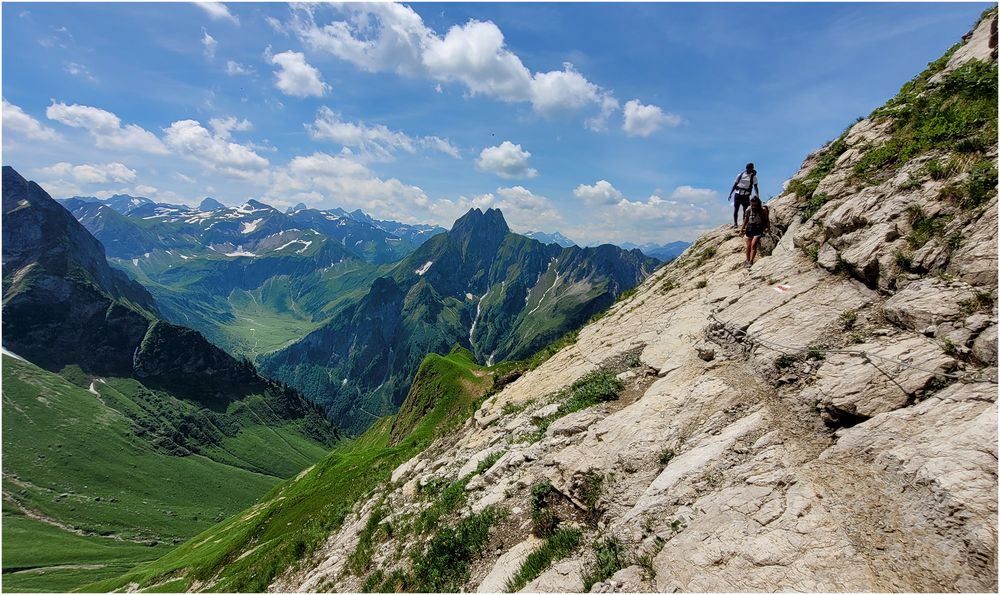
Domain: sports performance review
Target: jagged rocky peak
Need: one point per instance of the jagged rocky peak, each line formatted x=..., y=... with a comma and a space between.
x=210, y=204
x=489, y=226
x=299, y=207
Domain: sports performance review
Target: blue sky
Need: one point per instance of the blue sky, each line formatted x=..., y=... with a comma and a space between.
x=607, y=122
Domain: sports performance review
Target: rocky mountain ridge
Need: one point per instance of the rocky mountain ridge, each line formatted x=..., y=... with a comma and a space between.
x=825, y=421
x=497, y=293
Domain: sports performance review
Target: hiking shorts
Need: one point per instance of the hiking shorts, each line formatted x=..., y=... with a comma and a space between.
x=754, y=231
x=741, y=200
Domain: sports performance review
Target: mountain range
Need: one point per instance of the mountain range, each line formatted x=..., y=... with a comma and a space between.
x=111, y=412
x=293, y=292
x=499, y=294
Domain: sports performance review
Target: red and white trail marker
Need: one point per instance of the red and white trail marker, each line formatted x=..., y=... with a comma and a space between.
x=781, y=287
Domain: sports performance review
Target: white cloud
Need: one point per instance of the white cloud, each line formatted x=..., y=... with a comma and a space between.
x=441, y=144
x=643, y=120
x=209, y=44
x=80, y=70
x=16, y=120
x=376, y=141
x=565, y=90
x=106, y=128
x=685, y=211
x=146, y=190
x=184, y=178
x=602, y=192
x=234, y=68
x=338, y=180
x=223, y=127
x=525, y=209
x=218, y=11
x=90, y=173
x=474, y=54
x=190, y=139
x=392, y=37
x=296, y=77
x=506, y=160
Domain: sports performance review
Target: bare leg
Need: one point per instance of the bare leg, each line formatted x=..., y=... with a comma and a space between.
x=749, y=242
x=752, y=248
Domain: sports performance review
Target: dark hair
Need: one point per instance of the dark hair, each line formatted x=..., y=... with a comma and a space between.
x=756, y=203
x=750, y=166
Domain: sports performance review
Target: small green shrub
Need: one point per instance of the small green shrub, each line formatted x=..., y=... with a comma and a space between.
x=361, y=557
x=812, y=252
x=443, y=565
x=590, y=494
x=903, y=259
x=609, y=558
x=849, y=318
x=543, y=518
x=815, y=352
x=667, y=286
x=981, y=301
x=980, y=185
x=950, y=348
x=450, y=500
x=705, y=255
x=923, y=228
x=489, y=461
x=785, y=360
x=559, y=545
x=938, y=171
x=374, y=580
x=666, y=455
x=813, y=204
x=701, y=284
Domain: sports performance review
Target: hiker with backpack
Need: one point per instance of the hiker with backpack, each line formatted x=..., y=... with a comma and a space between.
x=756, y=222
x=743, y=187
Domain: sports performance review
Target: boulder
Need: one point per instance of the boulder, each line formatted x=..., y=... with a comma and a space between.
x=926, y=302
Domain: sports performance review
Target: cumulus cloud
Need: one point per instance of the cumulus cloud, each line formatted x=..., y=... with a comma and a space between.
x=392, y=37
x=525, y=209
x=506, y=160
x=106, y=128
x=218, y=11
x=643, y=120
x=223, y=127
x=321, y=178
x=376, y=141
x=209, y=44
x=234, y=68
x=190, y=139
x=658, y=218
x=602, y=192
x=296, y=77
x=90, y=173
x=16, y=120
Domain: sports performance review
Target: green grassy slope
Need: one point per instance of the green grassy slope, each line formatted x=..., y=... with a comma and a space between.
x=107, y=465
x=247, y=551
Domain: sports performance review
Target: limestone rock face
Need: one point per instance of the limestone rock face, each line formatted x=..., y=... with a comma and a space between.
x=841, y=437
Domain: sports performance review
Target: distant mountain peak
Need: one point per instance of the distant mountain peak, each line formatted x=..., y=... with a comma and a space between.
x=490, y=223
x=210, y=204
x=299, y=207
x=255, y=205
x=550, y=238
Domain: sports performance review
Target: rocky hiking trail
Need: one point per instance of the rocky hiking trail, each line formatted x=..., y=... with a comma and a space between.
x=764, y=490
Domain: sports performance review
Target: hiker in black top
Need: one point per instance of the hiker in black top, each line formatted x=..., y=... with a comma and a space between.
x=745, y=184
x=756, y=222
